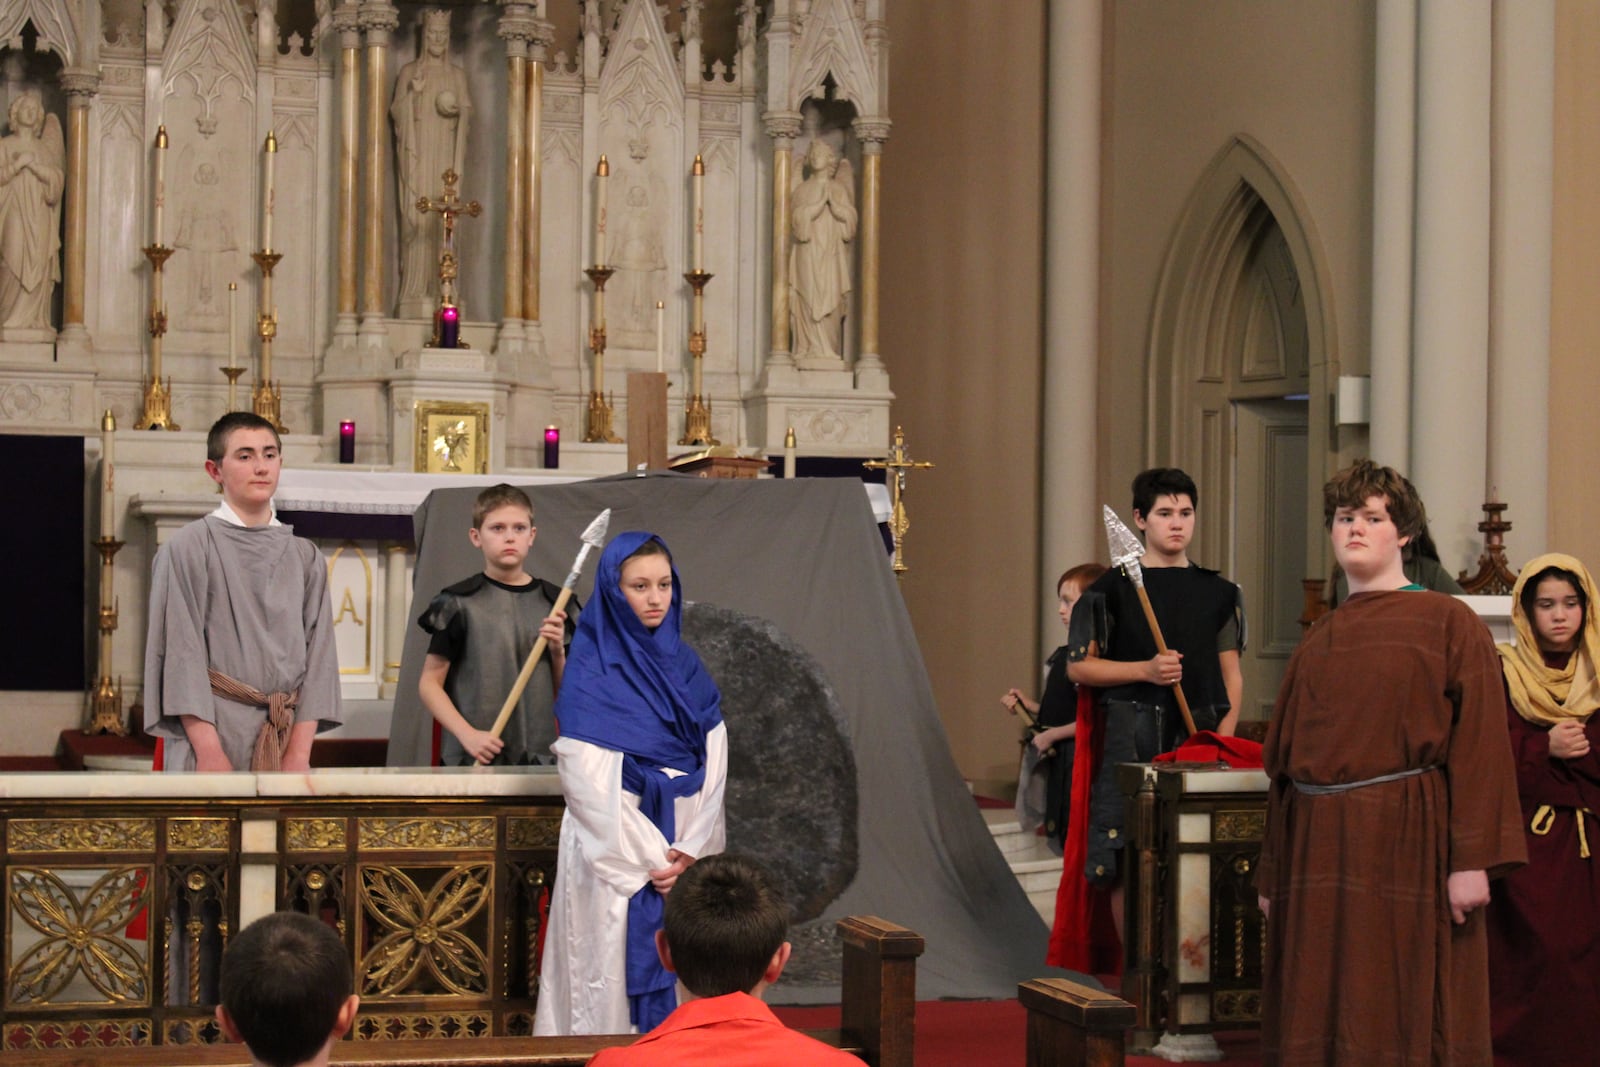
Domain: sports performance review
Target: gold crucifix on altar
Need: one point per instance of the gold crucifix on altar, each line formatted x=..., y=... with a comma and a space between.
x=897, y=463
x=447, y=320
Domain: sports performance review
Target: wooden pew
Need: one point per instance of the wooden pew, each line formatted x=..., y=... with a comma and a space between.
x=1071, y=1025
x=877, y=989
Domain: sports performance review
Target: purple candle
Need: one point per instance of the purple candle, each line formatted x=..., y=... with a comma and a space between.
x=449, y=326
x=552, y=447
x=347, y=440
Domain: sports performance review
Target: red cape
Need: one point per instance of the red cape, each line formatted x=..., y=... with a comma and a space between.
x=1084, y=936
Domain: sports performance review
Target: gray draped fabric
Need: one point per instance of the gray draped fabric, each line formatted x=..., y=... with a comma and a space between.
x=805, y=556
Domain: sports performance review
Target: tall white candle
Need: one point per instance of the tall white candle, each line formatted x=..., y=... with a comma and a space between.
x=233, y=325
x=698, y=182
x=161, y=179
x=271, y=153
x=601, y=173
x=661, y=336
x=789, y=453
x=108, y=475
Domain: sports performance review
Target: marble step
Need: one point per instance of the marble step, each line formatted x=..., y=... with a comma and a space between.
x=1037, y=869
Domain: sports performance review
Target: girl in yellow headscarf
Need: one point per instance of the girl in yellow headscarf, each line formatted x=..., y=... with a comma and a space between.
x=1544, y=919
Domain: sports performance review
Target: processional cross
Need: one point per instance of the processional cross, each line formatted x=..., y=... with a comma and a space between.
x=447, y=323
x=898, y=462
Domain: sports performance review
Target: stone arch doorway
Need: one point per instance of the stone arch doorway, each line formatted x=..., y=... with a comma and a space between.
x=1239, y=369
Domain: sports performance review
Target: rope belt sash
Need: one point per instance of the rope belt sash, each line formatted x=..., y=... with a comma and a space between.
x=1315, y=789
x=1545, y=818
x=273, y=740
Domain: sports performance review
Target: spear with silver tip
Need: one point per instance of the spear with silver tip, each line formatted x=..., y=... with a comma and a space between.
x=1126, y=552
x=593, y=537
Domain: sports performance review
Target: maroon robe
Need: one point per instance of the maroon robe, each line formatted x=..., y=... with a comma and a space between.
x=1544, y=921
x=1363, y=964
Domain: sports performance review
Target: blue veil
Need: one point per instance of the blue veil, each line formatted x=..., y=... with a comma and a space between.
x=645, y=694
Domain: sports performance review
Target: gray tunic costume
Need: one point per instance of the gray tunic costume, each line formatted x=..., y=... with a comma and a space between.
x=486, y=629
x=251, y=602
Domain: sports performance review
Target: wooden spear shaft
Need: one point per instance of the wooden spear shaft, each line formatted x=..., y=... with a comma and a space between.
x=1161, y=646
x=527, y=671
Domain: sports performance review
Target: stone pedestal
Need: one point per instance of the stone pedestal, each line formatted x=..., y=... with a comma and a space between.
x=461, y=374
x=830, y=413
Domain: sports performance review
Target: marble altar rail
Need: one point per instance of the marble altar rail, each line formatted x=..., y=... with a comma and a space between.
x=122, y=889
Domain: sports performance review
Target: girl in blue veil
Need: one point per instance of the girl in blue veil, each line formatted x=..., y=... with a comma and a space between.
x=643, y=758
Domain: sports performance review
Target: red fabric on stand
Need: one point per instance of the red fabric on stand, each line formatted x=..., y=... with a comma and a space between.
x=1209, y=747
x=1083, y=937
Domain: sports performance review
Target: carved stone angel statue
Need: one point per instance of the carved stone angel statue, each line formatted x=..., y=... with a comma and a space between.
x=33, y=171
x=824, y=222
x=431, y=109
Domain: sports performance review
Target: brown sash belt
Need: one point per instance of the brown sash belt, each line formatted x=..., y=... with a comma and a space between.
x=273, y=740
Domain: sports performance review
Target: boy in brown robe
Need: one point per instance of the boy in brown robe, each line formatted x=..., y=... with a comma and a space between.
x=240, y=670
x=1393, y=801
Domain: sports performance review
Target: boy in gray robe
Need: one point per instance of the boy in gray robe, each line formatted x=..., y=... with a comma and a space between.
x=240, y=670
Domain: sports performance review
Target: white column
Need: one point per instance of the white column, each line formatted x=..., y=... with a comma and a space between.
x=396, y=608
x=1520, y=249
x=1070, y=515
x=1394, y=182
x=1449, y=409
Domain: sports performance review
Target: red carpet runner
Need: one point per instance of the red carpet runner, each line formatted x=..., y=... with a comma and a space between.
x=992, y=1033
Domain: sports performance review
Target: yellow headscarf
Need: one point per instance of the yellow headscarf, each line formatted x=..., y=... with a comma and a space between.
x=1542, y=694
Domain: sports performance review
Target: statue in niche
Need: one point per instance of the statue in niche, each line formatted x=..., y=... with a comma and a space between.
x=430, y=110
x=33, y=170
x=823, y=222
x=206, y=230
x=640, y=260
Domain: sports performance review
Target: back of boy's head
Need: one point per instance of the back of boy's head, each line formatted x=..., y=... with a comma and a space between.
x=725, y=919
x=284, y=979
x=1162, y=481
x=1364, y=479
x=222, y=429
x=496, y=497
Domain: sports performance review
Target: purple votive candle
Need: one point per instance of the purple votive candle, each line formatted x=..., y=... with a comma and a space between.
x=347, y=440
x=552, y=447
x=449, y=326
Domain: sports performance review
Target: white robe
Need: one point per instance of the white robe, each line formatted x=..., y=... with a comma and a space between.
x=608, y=850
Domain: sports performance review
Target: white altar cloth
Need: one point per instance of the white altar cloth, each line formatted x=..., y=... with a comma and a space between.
x=356, y=491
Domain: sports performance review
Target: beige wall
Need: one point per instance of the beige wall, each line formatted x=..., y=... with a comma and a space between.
x=1183, y=79
x=961, y=334
x=1574, y=511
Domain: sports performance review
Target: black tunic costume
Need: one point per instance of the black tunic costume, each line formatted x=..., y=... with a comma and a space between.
x=1201, y=614
x=1058, y=706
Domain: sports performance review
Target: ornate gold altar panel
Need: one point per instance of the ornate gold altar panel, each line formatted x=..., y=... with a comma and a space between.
x=116, y=914
x=452, y=437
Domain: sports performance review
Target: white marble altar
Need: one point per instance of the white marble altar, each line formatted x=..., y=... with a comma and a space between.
x=524, y=110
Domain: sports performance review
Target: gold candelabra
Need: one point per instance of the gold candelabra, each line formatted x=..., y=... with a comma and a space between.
x=896, y=464
x=697, y=410
x=105, y=702
x=157, y=397
x=600, y=409
x=157, y=414
x=266, y=396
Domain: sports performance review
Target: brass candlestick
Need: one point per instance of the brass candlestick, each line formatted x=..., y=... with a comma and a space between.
x=157, y=397
x=232, y=374
x=105, y=703
x=600, y=409
x=266, y=396
x=897, y=463
x=697, y=410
